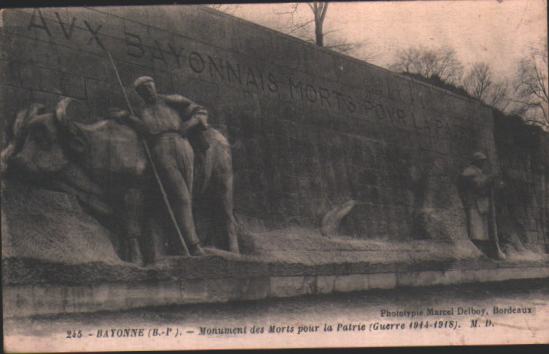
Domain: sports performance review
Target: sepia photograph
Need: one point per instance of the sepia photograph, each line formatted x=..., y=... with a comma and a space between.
x=274, y=175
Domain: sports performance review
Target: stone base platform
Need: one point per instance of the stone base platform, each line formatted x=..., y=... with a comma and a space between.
x=56, y=259
x=35, y=288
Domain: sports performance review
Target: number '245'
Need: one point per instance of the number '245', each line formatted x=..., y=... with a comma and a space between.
x=74, y=334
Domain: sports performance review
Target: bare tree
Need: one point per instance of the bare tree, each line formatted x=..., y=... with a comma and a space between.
x=478, y=80
x=301, y=28
x=480, y=84
x=499, y=96
x=295, y=19
x=441, y=63
x=331, y=39
x=293, y=26
x=319, y=9
x=531, y=91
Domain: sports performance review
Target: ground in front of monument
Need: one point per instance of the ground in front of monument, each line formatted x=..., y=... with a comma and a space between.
x=477, y=312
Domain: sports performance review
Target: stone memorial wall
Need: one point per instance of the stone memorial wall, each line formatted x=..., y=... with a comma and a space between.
x=523, y=160
x=309, y=128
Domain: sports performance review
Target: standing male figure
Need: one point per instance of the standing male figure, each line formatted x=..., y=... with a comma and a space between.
x=477, y=198
x=165, y=122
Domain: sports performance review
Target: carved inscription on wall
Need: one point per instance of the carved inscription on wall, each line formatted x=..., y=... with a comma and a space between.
x=173, y=54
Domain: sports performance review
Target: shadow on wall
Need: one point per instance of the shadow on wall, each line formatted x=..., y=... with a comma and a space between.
x=522, y=204
x=435, y=212
x=437, y=209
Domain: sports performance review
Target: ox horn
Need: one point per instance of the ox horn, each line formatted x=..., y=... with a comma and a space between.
x=23, y=116
x=76, y=140
x=61, y=109
x=17, y=128
x=20, y=121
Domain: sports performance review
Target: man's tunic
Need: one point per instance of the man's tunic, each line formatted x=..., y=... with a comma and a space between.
x=172, y=152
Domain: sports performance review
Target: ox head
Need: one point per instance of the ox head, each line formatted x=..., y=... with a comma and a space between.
x=43, y=141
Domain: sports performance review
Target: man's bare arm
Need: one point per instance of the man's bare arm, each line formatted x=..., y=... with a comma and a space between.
x=183, y=105
x=134, y=122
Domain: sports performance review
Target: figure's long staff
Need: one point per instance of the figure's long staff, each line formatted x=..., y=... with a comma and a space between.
x=493, y=217
x=153, y=166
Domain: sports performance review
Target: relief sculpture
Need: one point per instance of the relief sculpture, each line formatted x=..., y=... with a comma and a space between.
x=477, y=192
x=158, y=160
x=105, y=166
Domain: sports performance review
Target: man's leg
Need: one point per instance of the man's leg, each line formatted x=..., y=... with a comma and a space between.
x=174, y=158
x=133, y=203
x=181, y=201
x=226, y=207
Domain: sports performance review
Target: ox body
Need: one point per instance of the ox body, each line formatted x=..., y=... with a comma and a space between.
x=105, y=166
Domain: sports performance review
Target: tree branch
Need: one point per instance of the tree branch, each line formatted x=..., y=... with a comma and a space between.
x=324, y=11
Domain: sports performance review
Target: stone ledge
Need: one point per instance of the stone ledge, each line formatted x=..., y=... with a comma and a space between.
x=23, y=300
x=26, y=271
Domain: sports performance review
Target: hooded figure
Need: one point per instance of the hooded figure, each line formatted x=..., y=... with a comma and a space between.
x=476, y=194
x=476, y=198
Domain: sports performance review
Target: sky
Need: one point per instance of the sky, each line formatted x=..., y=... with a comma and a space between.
x=498, y=32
